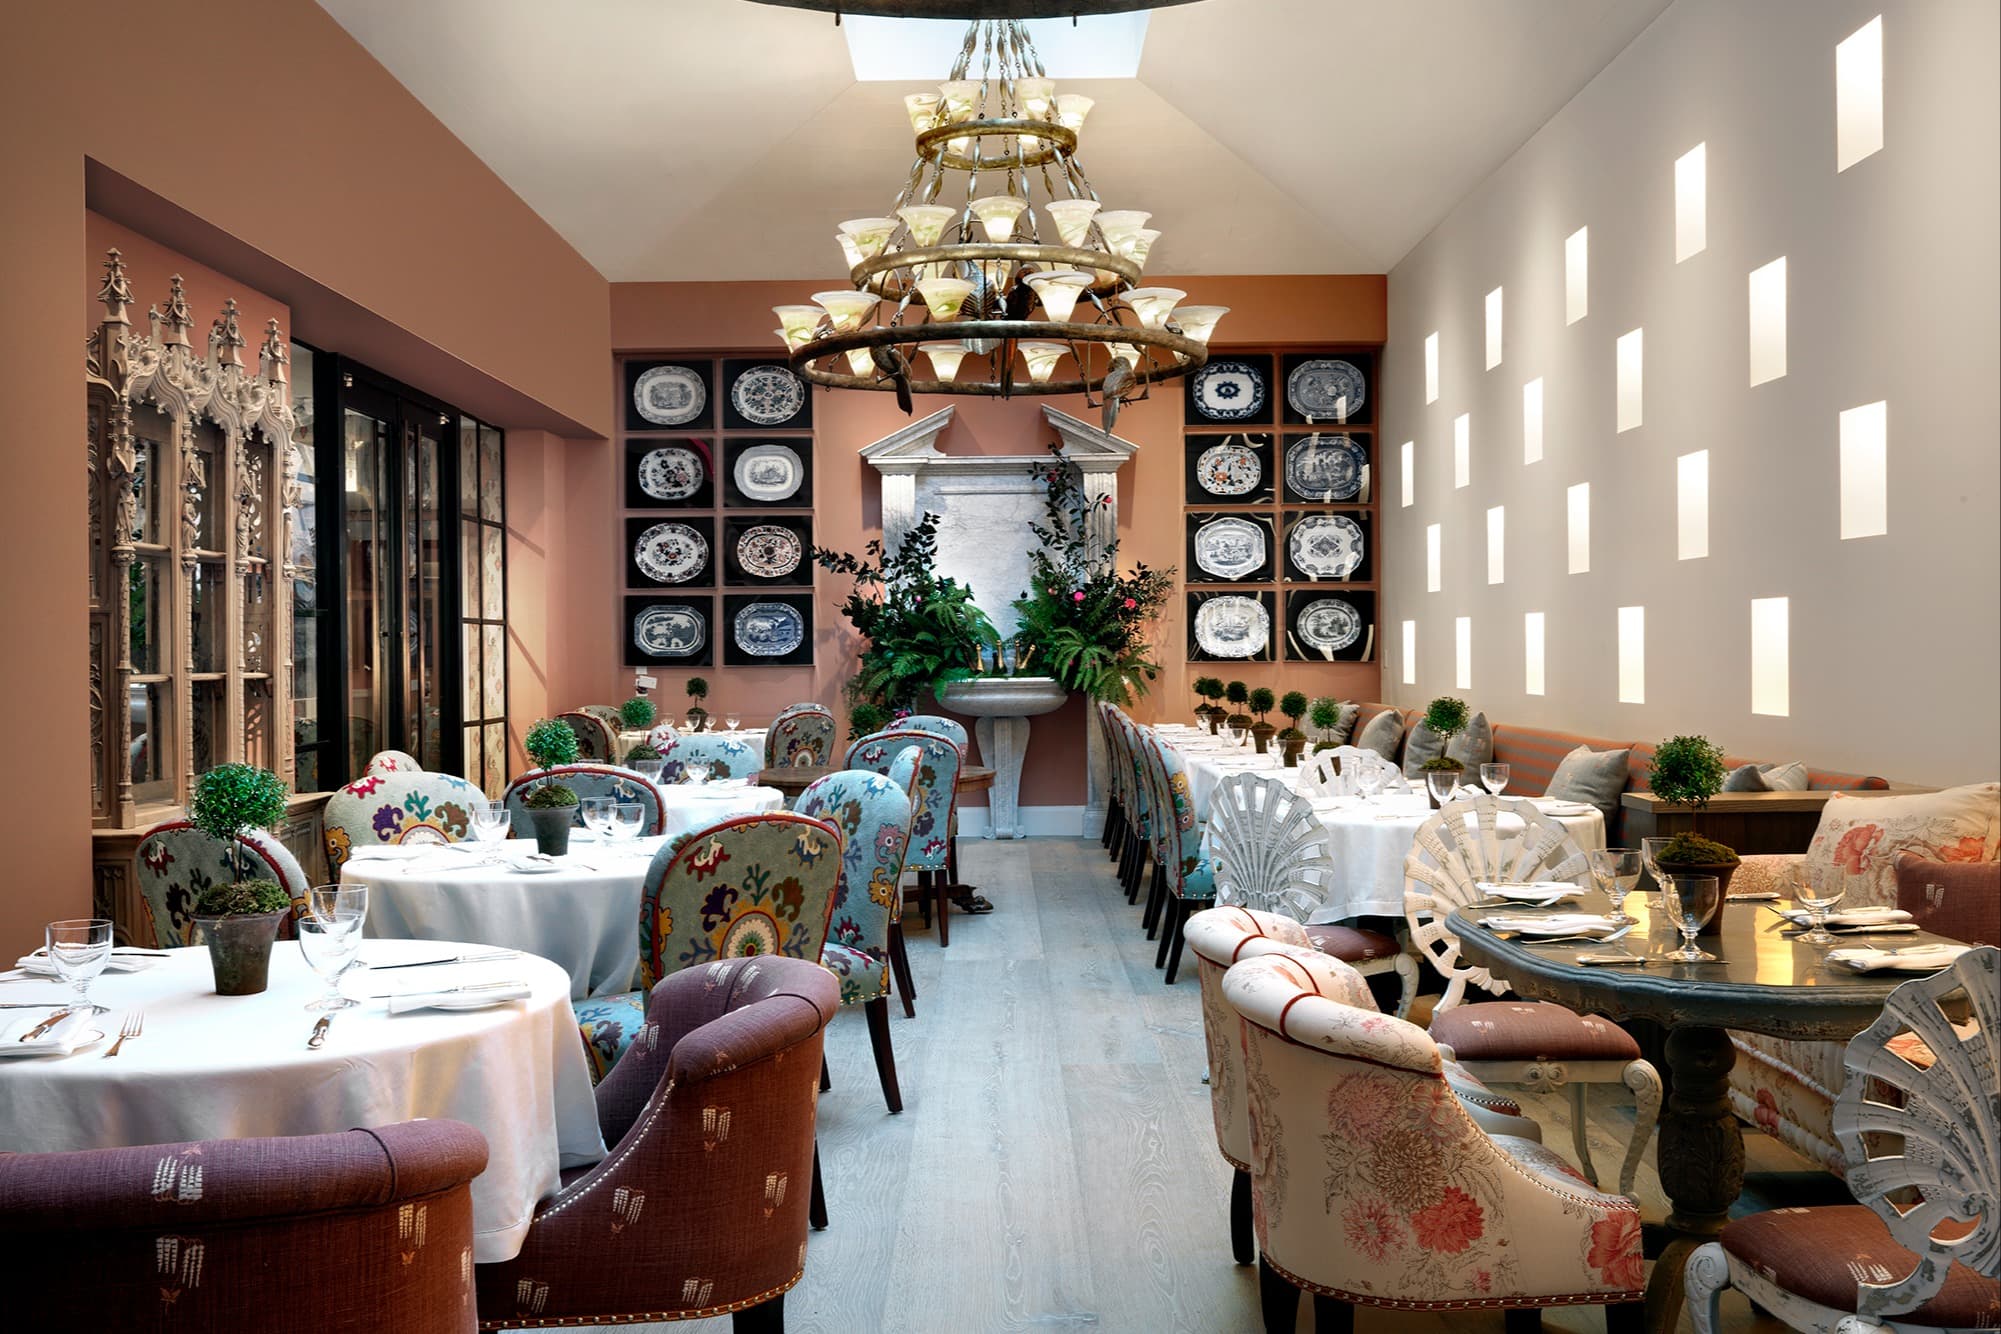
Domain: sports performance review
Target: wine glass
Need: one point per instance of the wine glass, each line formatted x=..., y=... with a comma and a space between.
x=490, y=821
x=1617, y=871
x=1442, y=783
x=1815, y=900
x=732, y=721
x=1650, y=859
x=1368, y=780
x=695, y=772
x=1691, y=900
x=330, y=937
x=626, y=819
x=79, y=947
x=1494, y=777
x=649, y=769
x=596, y=813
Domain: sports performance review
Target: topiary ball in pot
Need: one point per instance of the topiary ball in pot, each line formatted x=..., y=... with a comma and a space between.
x=1692, y=854
x=239, y=920
x=1324, y=714
x=637, y=713
x=551, y=806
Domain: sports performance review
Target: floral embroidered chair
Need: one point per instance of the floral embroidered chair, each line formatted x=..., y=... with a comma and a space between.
x=936, y=725
x=1371, y=1185
x=873, y=814
x=175, y=862
x=800, y=734
x=1223, y=936
x=1184, y=881
x=936, y=799
x=1129, y=773
x=1115, y=811
x=1537, y=1044
x=757, y=884
x=1270, y=851
x=903, y=772
x=726, y=756
x=191, y=1236
x=701, y=1208
x=398, y=807
x=593, y=780
x=393, y=762
x=1919, y=1121
x=596, y=739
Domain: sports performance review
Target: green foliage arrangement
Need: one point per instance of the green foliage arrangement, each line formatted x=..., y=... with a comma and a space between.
x=698, y=688
x=241, y=898
x=1446, y=716
x=1210, y=688
x=643, y=751
x=1442, y=764
x=1237, y=693
x=1687, y=771
x=1263, y=701
x=1325, y=713
x=637, y=713
x=865, y=717
x=1200, y=687
x=1293, y=705
x=231, y=798
x=1694, y=850
x=922, y=631
x=1087, y=622
x=549, y=743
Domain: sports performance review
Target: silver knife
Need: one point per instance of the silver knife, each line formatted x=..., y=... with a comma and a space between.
x=47, y=1024
x=486, y=957
x=319, y=1037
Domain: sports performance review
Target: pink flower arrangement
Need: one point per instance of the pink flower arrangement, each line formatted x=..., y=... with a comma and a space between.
x=1130, y=604
x=1077, y=596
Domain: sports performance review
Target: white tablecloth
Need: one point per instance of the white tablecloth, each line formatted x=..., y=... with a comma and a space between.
x=1369, y=839
x=750, y=736
x=235, y=1067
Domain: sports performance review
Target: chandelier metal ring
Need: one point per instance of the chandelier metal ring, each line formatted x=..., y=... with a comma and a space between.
x=1189, y=355
x=1057, y=141
x=1017, y=252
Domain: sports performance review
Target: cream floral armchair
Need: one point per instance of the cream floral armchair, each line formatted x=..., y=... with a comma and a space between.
x=1371, y=1186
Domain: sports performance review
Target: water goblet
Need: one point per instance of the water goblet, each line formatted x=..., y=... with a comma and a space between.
x=1443, y=784
x=1368, y=781
x=1617, y=871
x=1649, y=858
x=330, y=937
x=1494, y=777
x=626, y=819
x=1691, y=900
x=596, y=813
x=695, y=772
x=490, y=821
x=732, y=721
x=79, y=948
x=649, y=768
x=1815, y=899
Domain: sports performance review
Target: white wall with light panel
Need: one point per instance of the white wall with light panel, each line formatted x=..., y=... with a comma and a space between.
x=1799, y=521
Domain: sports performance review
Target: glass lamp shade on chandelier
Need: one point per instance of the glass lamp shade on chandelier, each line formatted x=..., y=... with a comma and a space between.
x=996, y=271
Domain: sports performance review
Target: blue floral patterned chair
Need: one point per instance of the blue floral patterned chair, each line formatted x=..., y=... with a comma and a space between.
x=873, y=814
x=726, y=756
x=597, y=740
x=936, y=798
x=393, y=762
x=592, y=780
x=757, y=884
x=800, y=734
x=399, y=807
x=1130, y=772
x=175, y=862
x=936, y=725
x=1183, y=881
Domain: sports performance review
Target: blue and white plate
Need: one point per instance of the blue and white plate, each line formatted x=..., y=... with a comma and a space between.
x=770, y=629
x=1326, y=546
x=1327, y=389
x=671, y=553
x=1329, y=624
x=671, y=472
x=1228, y=391
x=1228, y=469
x=670, y=631
x=1232, y=627
x=768, y=395
x=1229, y=548
x=769, y=473
x=670, y=395
x=1326, y=467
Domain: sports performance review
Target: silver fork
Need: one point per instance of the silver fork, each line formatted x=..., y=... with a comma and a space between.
x=1605, y=939
x=135, y=1020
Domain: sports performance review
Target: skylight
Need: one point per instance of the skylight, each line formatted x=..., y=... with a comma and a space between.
x=1097, y=46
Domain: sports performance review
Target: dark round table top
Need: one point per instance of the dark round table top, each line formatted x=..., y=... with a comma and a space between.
x=1764, y=982
x=793, y=779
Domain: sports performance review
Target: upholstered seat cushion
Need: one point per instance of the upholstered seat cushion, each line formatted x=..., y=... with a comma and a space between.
x=1547, y=1165
x=863, y=976
x=1351, y=944
x=1957, y=899
x=1520, y=1030
x=609, y=1024
x=1471, y=1088
x=1817, y=1253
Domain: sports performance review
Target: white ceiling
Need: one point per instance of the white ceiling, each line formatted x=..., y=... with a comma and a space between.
x=718, y=139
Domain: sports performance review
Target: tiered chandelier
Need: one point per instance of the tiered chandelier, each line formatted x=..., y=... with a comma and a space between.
x=996, y=271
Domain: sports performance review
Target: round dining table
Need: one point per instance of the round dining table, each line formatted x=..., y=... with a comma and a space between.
x=1763, y=981
x=204, y=1066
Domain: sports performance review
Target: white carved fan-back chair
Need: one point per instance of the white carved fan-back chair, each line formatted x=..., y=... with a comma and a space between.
x=1332, y=773
x=1919, y=1124
x=1537, y=1045
x=1272, y=853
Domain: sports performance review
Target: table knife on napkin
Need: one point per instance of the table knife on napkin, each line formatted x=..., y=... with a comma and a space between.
x=487, y=956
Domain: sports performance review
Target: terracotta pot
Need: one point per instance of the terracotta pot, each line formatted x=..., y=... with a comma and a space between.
x=552, y=828
x=1292, y=750
x=1722, y=871
x=239, y=950
x=1261, y=735
x=1215, y=722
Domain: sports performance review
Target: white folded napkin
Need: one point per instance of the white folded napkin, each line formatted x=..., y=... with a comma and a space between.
x=1526, y=891
x=1849, y=916
x=1557, y=806
x=1552, y=924
x=121, y=961
x=476, y=996
x=406, y=852
x=69, y=1032
x=1911, y=959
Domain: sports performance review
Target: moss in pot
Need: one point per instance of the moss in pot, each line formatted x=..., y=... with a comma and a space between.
x=239, y=920
x=551, y=806
x=1692, y=854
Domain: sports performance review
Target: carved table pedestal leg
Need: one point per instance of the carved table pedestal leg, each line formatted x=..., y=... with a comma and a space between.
x=1701, y=1158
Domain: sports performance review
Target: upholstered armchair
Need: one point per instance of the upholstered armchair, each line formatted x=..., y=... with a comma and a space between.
x=393, y=762
x=1539, y=1045
x=366, y=1230
x=593, y=780
x=1372, y=1186
x=1918, y=1121
x=754, y=885
x=873, y=814
x=800, y=734
x=936, y=725
x=398, y=807
x=597, y=741
x=1183, y=880
x=936, y=798
x=175, y=862
x=726, y=756
x=701, y=1207
x=1223, y=936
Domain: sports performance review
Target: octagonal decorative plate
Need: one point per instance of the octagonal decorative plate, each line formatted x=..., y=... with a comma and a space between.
x=769, y=551
x=670, y=631
x=1325, y=467
x=671, y=472
x=1329, y=624
x=1229, y=548
x=1228, y=391
x=670, y=395
x=1327, y=388
x=768, y=395
x=1228, y=469
x=672, y=553
x=770, y=629
x=1232, y=626
x=1326, y=546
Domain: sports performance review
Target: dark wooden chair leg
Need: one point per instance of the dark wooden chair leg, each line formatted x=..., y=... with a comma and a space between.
x=763, y=1318
x=944, y=898
x=1185, y=908
x=1243, y=1245
x=877, y=1011
x=899, y=965
x=923, y=895
x=1523, y=1320
x=1156, y=899
x=816, y=1208
x=1626, y=1318
x=826, y=1080
x=1331, y=1315
x=1278, y=1300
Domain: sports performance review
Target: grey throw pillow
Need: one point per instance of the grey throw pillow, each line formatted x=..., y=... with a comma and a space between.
x=1767, y=778
x=1383, y=734
x=1422, y=746
x=1596, y=777
x=1474, y=746
x=1344, y=726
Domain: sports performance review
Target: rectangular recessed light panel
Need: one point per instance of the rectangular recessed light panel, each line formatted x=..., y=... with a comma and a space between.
x=1858, y=95
x=1692, y=505
x=1532, y=421
x=1771, y=656
x=1410, y=653
x=1462, y=450
x=1632, y=655
x=1865, y=471
x=1577, y=275
x=1768, y=321
x=1631, y=356
x=1493, y=328
x=1580, y=528
x=1431, y=368
x=1691, y=203
x=1408, y=457
x=1532, y=652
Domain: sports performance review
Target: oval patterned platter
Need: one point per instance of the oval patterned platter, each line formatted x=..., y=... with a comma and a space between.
x=769, y=473
x=770, y=629
x=1228, y=469
x=1326, y=546
x=1327, y=388
x=672, y=553
x=670, y=395
x=1229, y=548
x=671, y=472
x=670, y=631
x=768, y=395
x=769, y=551
x=1228, y=391
x=1329, y=624
x=1232, y=627
x=1325, y=467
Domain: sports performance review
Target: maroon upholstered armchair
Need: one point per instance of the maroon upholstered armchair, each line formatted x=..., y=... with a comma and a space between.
x=701, y=1207
x=368, y=1231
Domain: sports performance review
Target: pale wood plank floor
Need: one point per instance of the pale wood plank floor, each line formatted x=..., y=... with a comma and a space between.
x=1054, y=1165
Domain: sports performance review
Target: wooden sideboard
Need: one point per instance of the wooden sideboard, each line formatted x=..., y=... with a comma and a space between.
x=1748, y=822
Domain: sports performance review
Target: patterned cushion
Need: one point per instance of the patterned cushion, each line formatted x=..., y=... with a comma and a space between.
x=1777, y=1100
x=1860, y=838
x=1960, y=900
x=726, y=756
x=393, y=761
x=175, y=862
x=800, y=734
x=397, y=808
x=1519, y=1030
x=937, y=789
x=1820, y=1254
x=1474, y=746
x=863, y=975
x=1351, y=944
x=873, y=814
x=589, y=781
x=1596, y=777
x=608, y=1024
